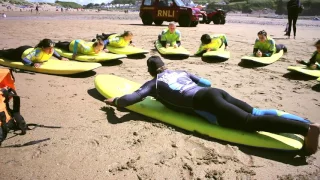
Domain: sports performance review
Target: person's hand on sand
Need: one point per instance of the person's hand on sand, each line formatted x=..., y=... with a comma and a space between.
x=37, y=65
x=167, y=45
x=106, y=50
x=109, y=101
x=175, y=46
x=64, y=59
x=259, y=54
x=313, y=66
x=209, y=49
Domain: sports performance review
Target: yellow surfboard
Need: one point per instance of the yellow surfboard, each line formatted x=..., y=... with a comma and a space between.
x=102, y=56
x=171, y=51
x=53, y=66
x=264, y=60
x=128, y=50
x=218, y=54
x=114, y=86
x=304, y=70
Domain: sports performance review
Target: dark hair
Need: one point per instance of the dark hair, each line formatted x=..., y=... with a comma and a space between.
x=262, y=32
x=126, y=33
x=98, y=41
x=205, y=39
x=317, y=43
x=158, y=71
x=45, y=43
x=155, y=65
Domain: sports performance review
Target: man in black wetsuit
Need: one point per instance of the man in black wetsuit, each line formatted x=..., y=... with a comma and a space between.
x=182, y=91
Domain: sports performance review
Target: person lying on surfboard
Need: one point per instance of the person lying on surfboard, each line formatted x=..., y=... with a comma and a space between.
x=185, y=92
x=170, y=36
x=265, y=46
x=116, y=40
x=211, y=43
x=30, y=56
x=81, y=47
x=314, y=59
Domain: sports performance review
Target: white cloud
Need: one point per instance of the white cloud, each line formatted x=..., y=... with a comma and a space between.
x=82, y=2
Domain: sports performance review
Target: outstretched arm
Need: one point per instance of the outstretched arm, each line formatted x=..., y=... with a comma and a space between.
x=200, y=81
x=137, y=96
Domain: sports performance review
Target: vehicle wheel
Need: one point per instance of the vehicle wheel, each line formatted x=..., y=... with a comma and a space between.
x=204, y=20
x=147, y=19
x=184, y=21
x=158, y=22
x=194, y=23
x=216, y=20
x=223, y=21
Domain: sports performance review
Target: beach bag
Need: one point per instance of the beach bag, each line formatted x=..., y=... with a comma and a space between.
x=10, y=118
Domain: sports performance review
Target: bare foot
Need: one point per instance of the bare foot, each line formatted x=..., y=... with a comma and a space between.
x=312, y=139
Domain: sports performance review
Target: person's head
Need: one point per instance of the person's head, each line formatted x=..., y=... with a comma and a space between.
x=127, y=35
x=98, y=45
x=262, y=35
x=317, y=45
x=155, y=65
x=172, y=27
x=46, y=46
x=205, y=39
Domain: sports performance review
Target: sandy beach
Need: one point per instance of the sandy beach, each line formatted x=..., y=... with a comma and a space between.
x=82, y=138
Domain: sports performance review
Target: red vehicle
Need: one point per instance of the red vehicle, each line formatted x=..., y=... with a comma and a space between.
x=217, y=17
x=158, y=11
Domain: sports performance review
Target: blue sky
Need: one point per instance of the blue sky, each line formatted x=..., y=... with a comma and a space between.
x=82, y=2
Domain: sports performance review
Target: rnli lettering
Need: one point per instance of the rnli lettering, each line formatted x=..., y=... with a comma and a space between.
x=165, y=13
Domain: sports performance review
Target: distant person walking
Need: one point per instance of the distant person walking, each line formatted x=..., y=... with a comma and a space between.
x=37, y=9
x=293, y=7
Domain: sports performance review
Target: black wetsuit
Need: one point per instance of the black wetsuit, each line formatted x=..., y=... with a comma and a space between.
x=293, y=13
x=183, y=91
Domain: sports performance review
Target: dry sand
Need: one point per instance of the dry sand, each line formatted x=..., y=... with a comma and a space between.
x=95, y=141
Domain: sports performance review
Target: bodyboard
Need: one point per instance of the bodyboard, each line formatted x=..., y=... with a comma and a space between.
x=53, y=66
x=221, y=53
x=114, y=86
x=263, y=60
x=128, y=50
x=304, y=70
x=171, y=51
x=101, y=57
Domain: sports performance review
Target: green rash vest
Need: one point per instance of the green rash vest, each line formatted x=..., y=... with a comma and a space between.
x=216, y=42
x=116, y=40
x=315, y=58
x=82, y=47
x=267, y=46
x=169, y=37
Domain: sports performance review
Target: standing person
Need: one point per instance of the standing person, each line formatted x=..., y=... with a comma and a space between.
x=170, y=36
x=37, y=9
x=293, y=13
